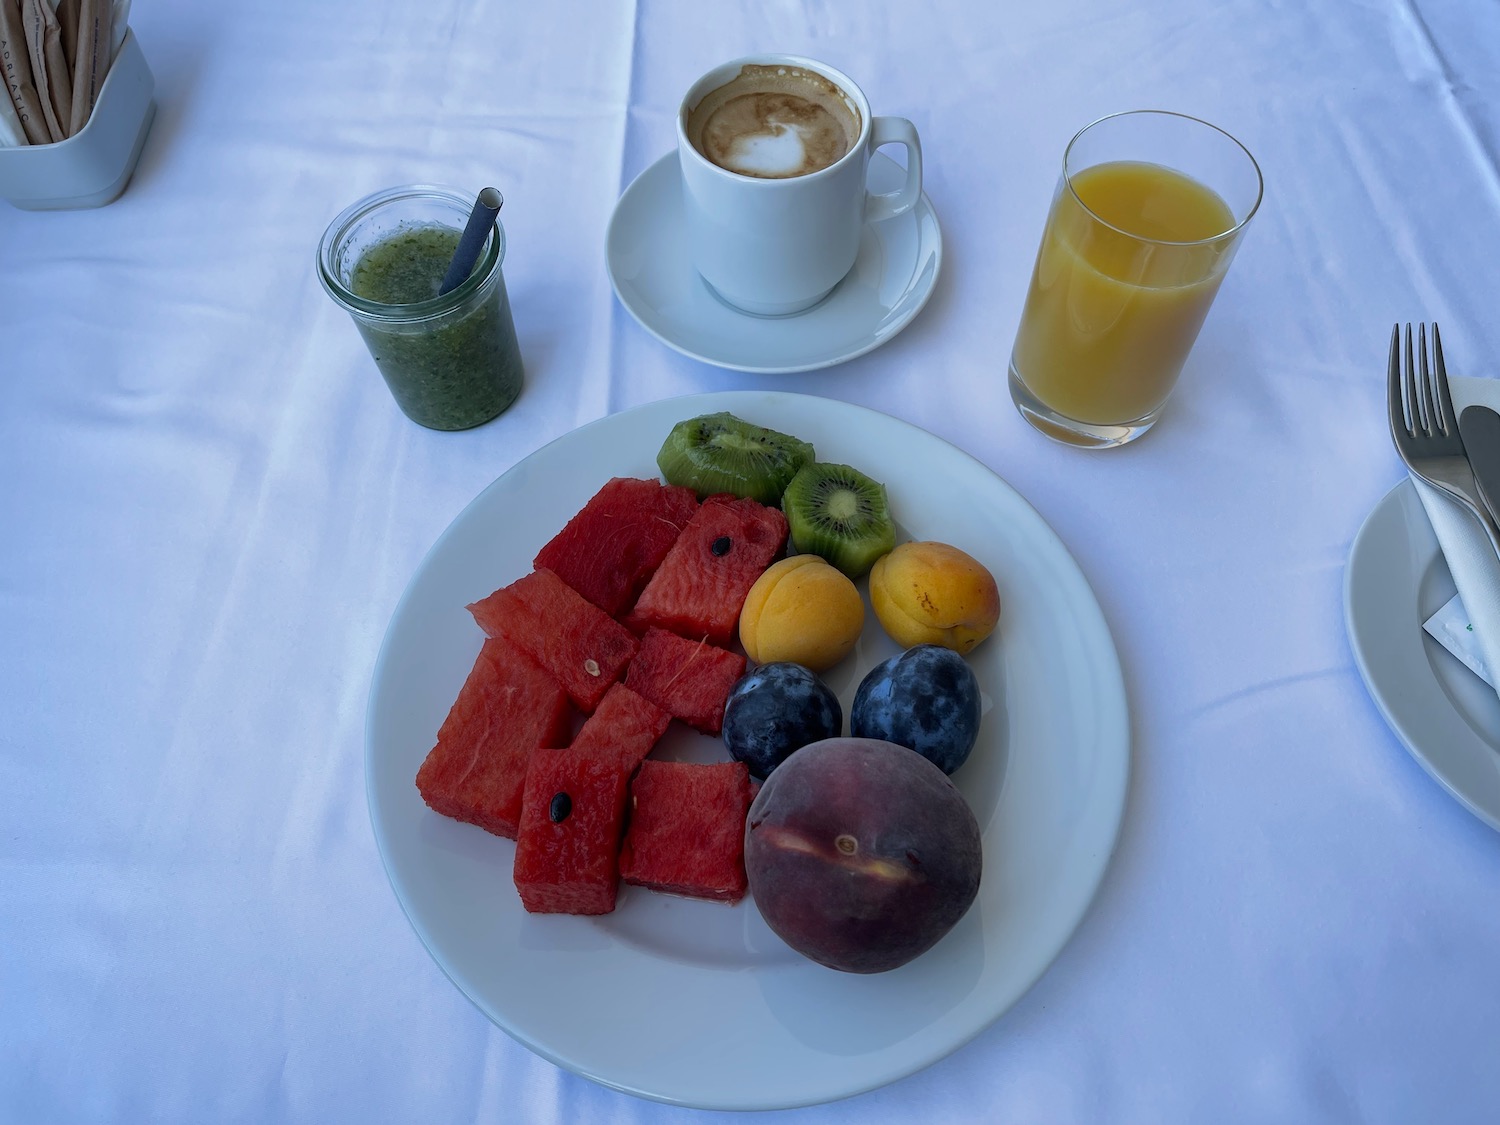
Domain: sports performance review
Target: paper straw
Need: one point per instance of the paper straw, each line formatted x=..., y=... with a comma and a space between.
x=481, y=222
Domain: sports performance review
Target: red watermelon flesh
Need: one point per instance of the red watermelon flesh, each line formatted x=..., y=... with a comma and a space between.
x=701, y=584
x=687, y=829
x=507, y=707
x=584, y=648
x=624, y=725
x=618, y=539
x=690, y=679
x=567, y=854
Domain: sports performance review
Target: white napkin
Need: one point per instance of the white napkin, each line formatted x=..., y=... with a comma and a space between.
x=1471, y=558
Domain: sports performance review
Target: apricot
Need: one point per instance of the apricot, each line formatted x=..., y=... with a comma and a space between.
x=861, y=854
x=932, y=593
x=801, y=611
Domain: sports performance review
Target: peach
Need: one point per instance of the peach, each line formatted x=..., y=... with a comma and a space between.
x=803, y=611
x=861, y=854
x=932, y=593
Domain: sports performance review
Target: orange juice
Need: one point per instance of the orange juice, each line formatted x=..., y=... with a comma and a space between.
x=1129, y=264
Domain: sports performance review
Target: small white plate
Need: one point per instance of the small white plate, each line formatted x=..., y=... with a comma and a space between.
x=1447, y=717
x=697, y=1003
x=653, y=275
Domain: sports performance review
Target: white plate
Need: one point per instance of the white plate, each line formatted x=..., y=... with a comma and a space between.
x=697, y=1003
x=1446, y=716
x=653, y=275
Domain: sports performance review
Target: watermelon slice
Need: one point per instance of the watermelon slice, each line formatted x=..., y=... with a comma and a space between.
x=687, y=829
x=567, y=853
x=584, y=648
x=690, y=679
x=618, y=539
x=701, y=584
x=624, y=725
x=507, y=708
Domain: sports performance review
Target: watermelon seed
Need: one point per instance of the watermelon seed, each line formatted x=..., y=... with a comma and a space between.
x=591, y=667
x=721, y=545
x=560, y=807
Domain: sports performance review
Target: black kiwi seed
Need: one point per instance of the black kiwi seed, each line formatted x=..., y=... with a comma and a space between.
x=721, y=545
x=560, y=807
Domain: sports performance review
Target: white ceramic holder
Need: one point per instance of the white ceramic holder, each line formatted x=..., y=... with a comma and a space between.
x=92, y=167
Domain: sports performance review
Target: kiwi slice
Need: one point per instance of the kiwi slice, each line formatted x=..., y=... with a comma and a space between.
x=721, y=453
x=841, y=514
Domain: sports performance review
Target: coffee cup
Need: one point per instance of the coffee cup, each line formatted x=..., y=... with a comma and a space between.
x=774, y=152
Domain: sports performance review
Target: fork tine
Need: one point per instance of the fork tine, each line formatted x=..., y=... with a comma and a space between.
x=1429, y=410
x=1413, y=403
x=1445, y=399
x=1397, y=401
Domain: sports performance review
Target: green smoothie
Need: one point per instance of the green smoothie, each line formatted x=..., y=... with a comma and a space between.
x=453, y=369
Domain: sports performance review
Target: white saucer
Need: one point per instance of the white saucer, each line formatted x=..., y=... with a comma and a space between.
x=1446, y=716
x=649, y=266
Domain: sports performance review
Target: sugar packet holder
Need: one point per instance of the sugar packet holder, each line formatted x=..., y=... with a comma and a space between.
x=54, y=56
x=92, y=167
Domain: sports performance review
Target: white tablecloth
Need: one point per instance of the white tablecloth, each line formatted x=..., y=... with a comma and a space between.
x=209, y=506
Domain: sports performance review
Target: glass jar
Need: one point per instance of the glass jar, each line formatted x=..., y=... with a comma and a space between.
x=451, y=361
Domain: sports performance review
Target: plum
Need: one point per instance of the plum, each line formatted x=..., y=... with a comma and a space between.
x=860, y=854
x=776, y=709
x=925, y=698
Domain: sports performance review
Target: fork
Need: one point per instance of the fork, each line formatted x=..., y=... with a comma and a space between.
x=1425, y=428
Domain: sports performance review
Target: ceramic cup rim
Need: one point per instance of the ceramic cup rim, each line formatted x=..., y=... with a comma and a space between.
x=1223, y=236
x=725, y=72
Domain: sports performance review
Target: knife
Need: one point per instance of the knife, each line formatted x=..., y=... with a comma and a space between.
x=1479, y=426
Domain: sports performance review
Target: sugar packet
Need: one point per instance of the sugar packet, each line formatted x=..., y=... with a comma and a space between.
x=12, y=134
x=92, y=57
x=1450, y=627
x=49, y=66
x=15, y=61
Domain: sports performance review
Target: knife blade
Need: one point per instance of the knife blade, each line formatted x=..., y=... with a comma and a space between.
x=1479, y=426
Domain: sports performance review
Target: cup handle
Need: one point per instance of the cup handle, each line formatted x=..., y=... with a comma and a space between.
x=887, y=205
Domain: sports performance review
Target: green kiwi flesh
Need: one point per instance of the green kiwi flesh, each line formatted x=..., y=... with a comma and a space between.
x=721, y=453
x=839, y=513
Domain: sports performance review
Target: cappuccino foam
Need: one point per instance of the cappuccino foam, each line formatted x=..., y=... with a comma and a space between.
x=774, y=122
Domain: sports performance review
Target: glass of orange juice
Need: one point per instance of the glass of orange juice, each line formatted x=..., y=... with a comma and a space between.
x=1147, y=215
